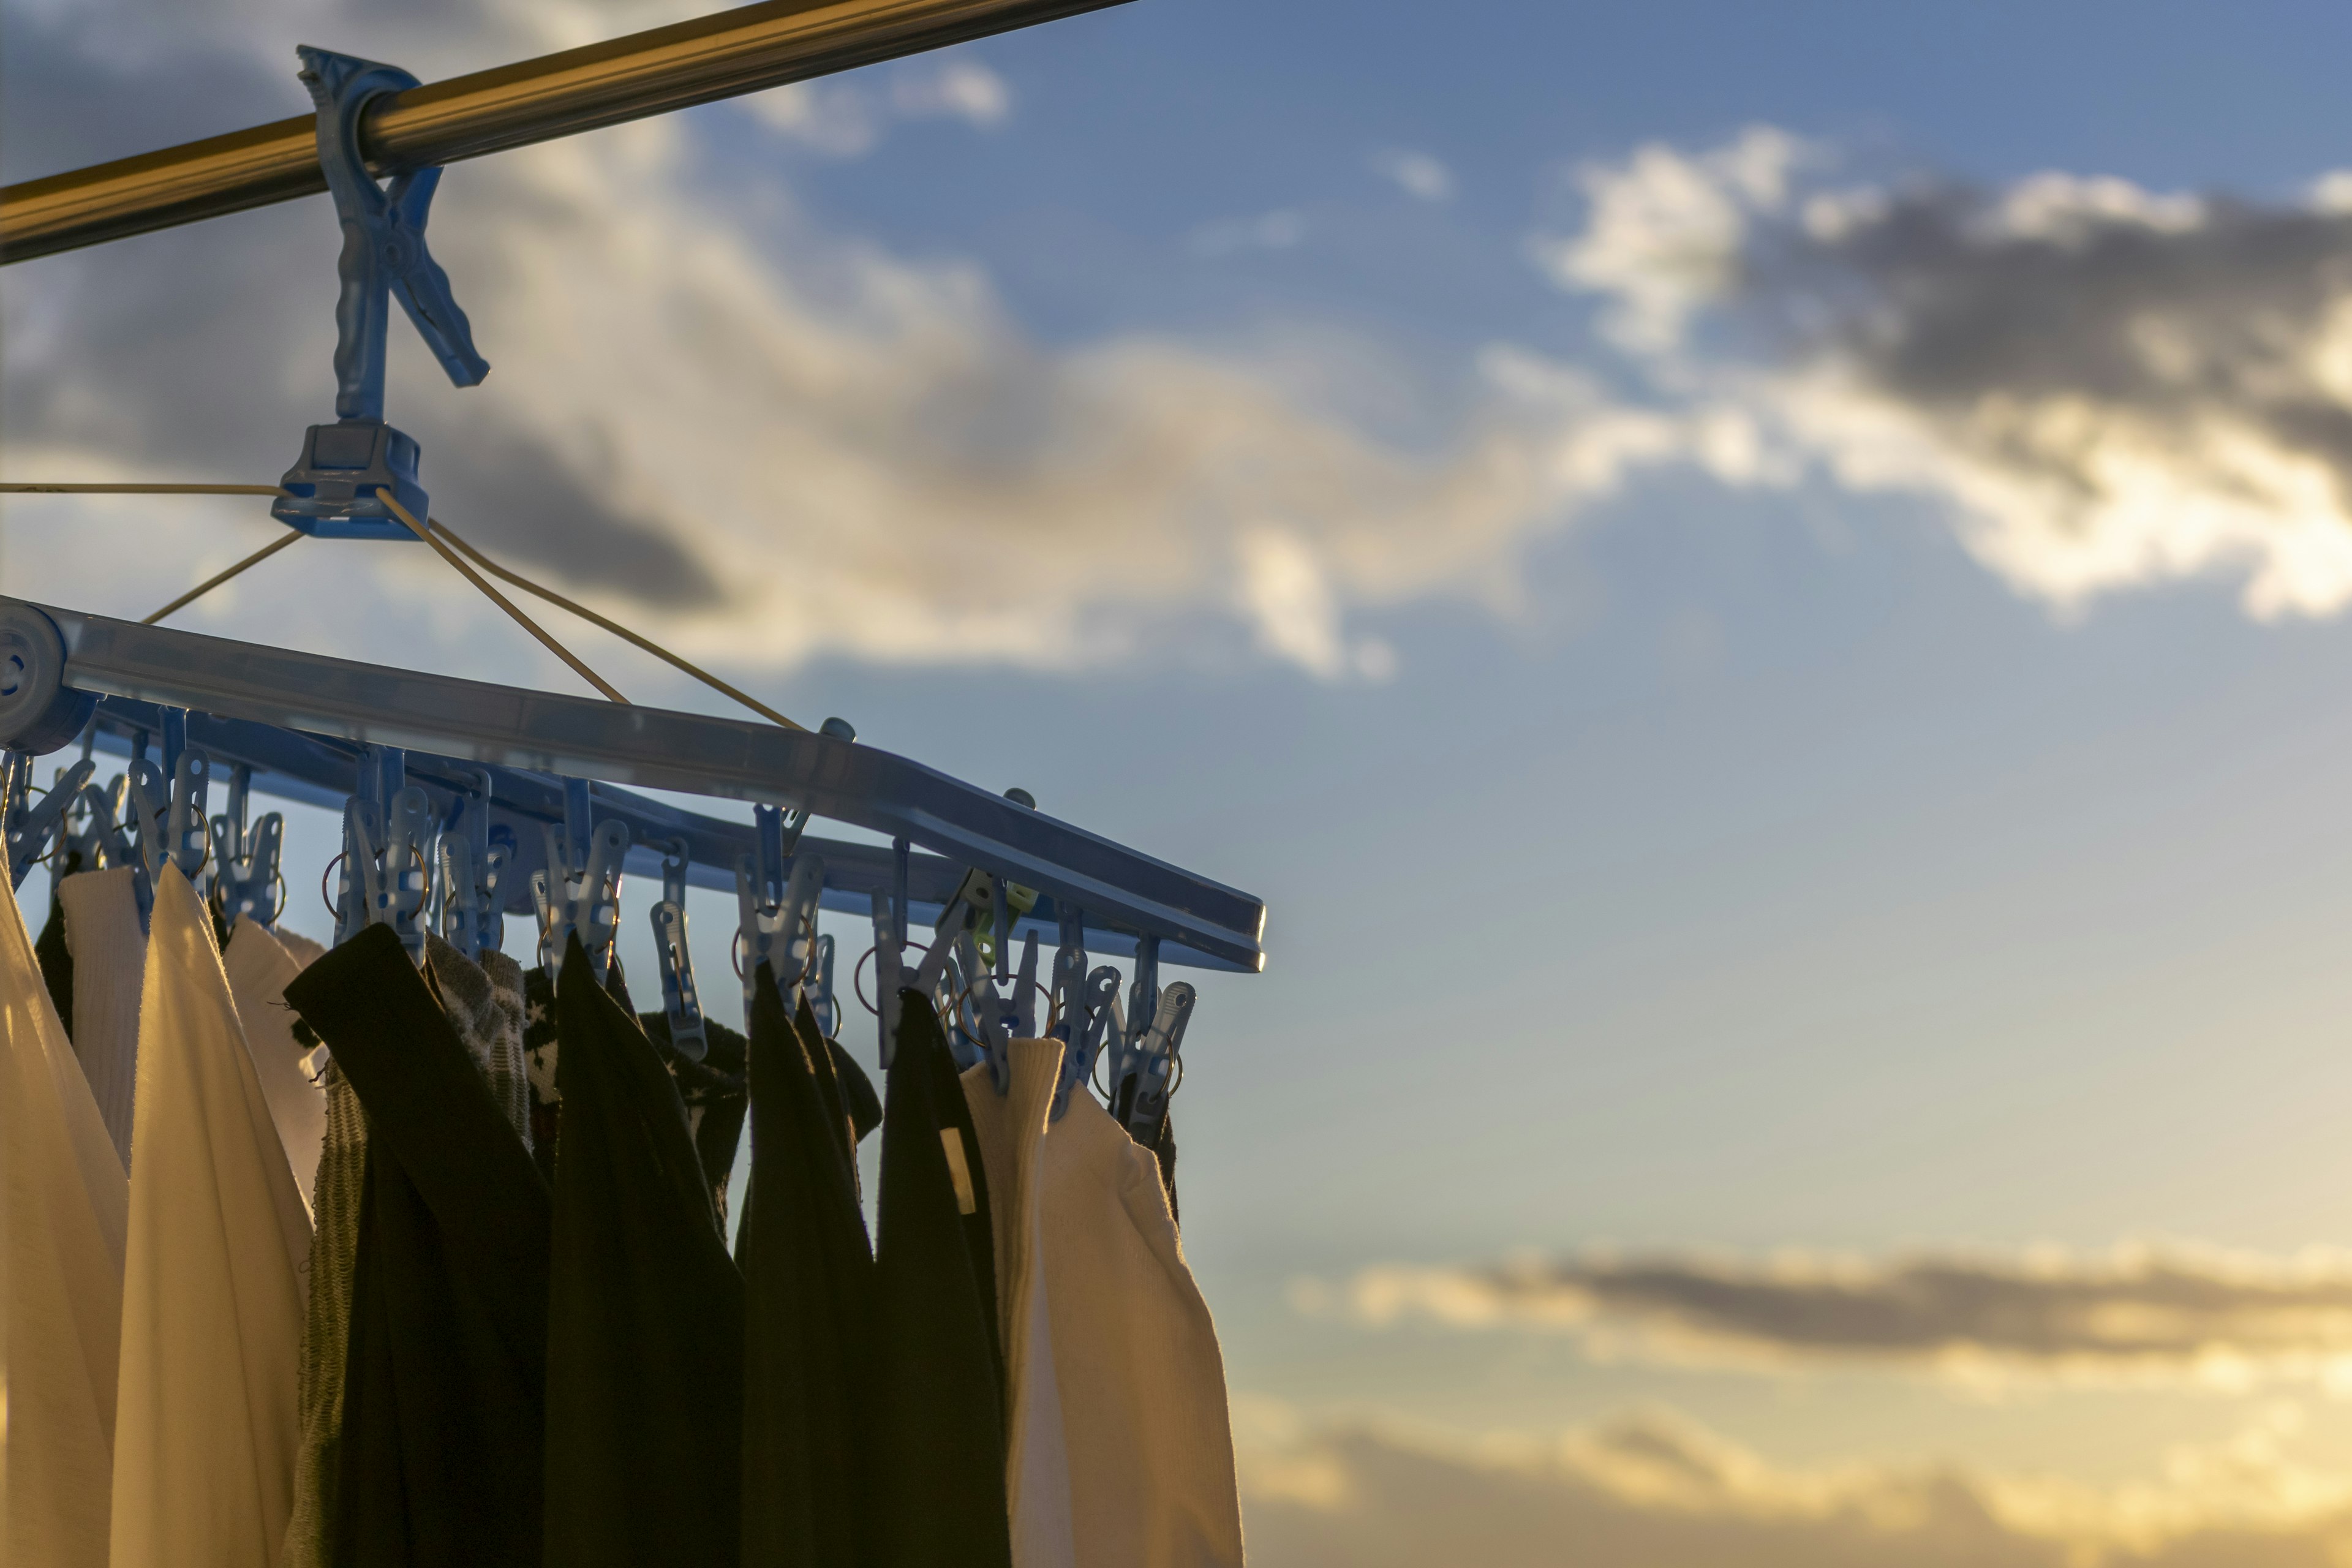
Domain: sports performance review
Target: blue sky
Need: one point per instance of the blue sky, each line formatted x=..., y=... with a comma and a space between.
x=1739, y=795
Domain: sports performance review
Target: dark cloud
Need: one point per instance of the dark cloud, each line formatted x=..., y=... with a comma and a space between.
x=2196, y=1314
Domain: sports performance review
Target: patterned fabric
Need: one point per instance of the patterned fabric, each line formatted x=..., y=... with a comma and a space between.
x=335, y=1250
x=539, y=1058
x=485, y=1005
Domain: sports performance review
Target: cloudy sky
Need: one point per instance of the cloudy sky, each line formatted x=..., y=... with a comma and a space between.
x=1762, y=590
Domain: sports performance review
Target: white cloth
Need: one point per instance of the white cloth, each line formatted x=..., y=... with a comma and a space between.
x=63, y=1204
x=207, y=1429
x=260, y=966
x=109, y=954
x=1112, y=1370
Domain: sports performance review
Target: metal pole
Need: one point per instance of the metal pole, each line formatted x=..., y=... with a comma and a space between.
x=721, y=56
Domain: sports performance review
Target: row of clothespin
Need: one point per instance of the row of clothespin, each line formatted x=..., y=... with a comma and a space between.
x=150, y=815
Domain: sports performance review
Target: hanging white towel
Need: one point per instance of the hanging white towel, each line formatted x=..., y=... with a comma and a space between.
x=207, y=1427
x=64, y=1205
x=109, y=954
x=1011, y=1128
x=1137, y=1376
x=260, y=965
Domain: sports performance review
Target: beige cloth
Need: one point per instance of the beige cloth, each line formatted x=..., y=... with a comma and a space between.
x=109, y=954
x=64, y=1205
x=207, y=1427
x=1112, y=1370
x=259, y=967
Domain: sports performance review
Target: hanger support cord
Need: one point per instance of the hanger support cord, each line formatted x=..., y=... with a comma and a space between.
x=618, y=631
x=217, y=578
x=503, y=603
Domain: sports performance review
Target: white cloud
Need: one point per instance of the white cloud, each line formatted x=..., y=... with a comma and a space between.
x=846, y=119
x=960, y=89
x=1418, y=175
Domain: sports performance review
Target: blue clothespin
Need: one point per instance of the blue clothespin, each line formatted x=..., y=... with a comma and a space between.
x=1151, y=1064
x=775, y=910
x=474, y=860
x=1095, y=1017
x=29, y=828
x=681, y=1003
x=817, y=983
x=347, y=468
x=99, y=840
x=580, y=889
x=168, y=820
x=245, y=865
x=387, y=825
x=1024, y=990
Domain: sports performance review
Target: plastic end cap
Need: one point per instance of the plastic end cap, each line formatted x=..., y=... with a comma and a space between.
x=38, y=712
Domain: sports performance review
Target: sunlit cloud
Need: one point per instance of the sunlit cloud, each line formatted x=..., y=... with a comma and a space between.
x=1657, y=1490
x=2105, y=387
x=2169, y=1315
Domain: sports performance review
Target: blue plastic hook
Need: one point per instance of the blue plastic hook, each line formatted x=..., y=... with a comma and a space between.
x=337, y=488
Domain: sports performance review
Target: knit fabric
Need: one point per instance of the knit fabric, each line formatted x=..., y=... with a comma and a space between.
x=63, y=1207
x=207, y=1426
x=110, y=953
x=485, y=1005
x=326, y=1325
x=1130, y=1347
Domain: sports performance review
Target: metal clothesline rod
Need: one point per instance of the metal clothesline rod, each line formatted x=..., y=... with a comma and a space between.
x=724, y=55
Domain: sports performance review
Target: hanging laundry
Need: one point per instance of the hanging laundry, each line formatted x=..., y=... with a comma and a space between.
x=808, y=1435
x=445, y=1399
x=1010, y=1129
x=485, y=1005
x=716, y=1094
x=938, y=1380
x=109, y=945
x=335, y=1203
x=207, y=1429
x=259, y=969
x=1133, y=1361
x=64, y=1212
x=645, y=1356
x=49, y=948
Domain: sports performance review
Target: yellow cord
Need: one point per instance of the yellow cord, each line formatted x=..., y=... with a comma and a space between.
x=502, y=600
x=441, y=537
x=618, y=631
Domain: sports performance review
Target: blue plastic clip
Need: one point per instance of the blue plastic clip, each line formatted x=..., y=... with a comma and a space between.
x=1151, y=1064
x=580, y=888
x=387, y=826
x=816, y=983
x=681, y=1003
x=338, y=490
x=168, y=820
x=474, y=860
x=28, y=828
x=776, y=913
x=244, y=864
x=1095, y=1018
